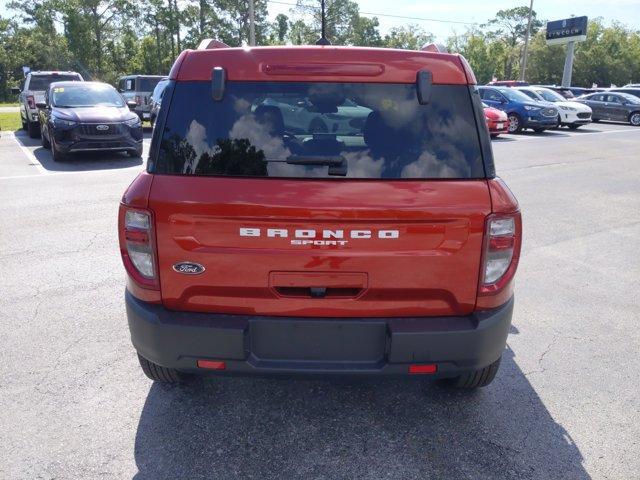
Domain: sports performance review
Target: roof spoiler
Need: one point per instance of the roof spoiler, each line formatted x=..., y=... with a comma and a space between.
x=434, y=48
x=210, y=44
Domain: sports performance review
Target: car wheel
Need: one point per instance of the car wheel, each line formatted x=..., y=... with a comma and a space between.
x=539, y=130
x=33, y=129
x=515, y=123
x=135, y=153
x=573, y=127
x=494, y=135
x=45, y=142
x=161, y=374
x=634, y=119
x=318, y=126
x=57, y=155
x=473, y=379
x=595, y=120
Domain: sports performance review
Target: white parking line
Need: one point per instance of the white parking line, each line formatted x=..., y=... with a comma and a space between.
x=29, y=154
x=561, y=134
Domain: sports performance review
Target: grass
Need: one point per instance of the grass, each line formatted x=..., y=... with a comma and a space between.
x=10, y=121
x=10, y=104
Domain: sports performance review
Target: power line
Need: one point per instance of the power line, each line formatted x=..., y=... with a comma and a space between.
x=387, y=15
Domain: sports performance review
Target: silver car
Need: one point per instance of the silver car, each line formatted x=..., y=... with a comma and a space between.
x=138, y=88
x=32, y=92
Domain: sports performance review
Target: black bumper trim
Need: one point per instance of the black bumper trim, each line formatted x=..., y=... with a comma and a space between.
x=291, y=345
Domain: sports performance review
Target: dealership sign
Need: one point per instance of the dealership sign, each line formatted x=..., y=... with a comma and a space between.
x=568, y=30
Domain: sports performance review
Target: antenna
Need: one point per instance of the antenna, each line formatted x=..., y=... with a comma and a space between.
x=323, y=38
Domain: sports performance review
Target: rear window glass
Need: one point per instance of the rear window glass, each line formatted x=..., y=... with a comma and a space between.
x=320, y=130
x=146, y=84
x=42, y=82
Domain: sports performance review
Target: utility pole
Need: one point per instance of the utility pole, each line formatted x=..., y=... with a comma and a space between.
x=568, y=65
x=523, y=70
x=252, y=25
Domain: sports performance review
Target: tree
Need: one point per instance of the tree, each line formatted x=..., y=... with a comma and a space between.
x=411, y=37
x=510, y=27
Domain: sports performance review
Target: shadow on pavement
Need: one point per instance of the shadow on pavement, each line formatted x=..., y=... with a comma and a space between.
x=267, y=428
x=78, y=161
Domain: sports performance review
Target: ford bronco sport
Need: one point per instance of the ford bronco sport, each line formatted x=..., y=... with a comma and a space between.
x=258, y=242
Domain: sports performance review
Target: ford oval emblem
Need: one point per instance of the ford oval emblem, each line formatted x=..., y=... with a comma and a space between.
x=102, y=127
x=188, y=268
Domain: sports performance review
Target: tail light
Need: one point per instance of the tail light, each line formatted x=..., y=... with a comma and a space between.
x=138, y=100
x=502, y=241
x=31, y=101
x=137, y=246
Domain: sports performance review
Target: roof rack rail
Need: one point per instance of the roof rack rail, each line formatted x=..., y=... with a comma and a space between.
x=210, y=44
x=434, y=47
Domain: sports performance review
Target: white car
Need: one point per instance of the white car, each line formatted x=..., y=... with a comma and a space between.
x=32, y=92
x=571, y=114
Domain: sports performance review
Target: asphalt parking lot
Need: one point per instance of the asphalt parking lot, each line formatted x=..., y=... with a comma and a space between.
x=565, y=404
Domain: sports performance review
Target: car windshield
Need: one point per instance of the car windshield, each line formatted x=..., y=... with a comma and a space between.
x=315, y=130
x=147, y=84
x=42, y=82
x=85, y=95
x=514, y=95
x=550, y=95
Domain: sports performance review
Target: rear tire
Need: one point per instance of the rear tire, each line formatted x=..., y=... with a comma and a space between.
x=595, y=120
x=33, y=129
x=475, y=378
x=573, y=127
x=161, y=374
x=634, y=119
x=135, y=153
x=539, y=130
x=515, y=123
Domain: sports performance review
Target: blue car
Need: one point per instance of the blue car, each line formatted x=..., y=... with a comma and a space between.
x=523, y=112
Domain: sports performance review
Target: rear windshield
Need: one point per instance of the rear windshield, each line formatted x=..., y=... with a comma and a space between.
x=316, y=130
x=147, y=84
x=42, y=82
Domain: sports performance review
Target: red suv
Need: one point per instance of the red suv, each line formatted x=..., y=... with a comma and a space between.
x=320, y=210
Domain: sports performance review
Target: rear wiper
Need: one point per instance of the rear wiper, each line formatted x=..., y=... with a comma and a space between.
x=337, y=163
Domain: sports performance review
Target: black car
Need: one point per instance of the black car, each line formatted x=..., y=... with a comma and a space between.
x=85, y=117
x=617, y=107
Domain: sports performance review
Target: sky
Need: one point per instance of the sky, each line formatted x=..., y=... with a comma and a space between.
x=471, y=11
x=625, y=11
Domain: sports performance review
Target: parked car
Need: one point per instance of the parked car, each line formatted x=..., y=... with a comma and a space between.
x=156, y=100
x=522, y=111
x=632, y=85
x=251, y=249
x=86, y=117
x=508, y=83
x=630, y=90
x=497, y=121
x=571, y=114
x=139, y=89
x=32, y=92
x=617, y=107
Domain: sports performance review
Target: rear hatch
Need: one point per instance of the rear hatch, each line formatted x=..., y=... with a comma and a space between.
x=319, y=199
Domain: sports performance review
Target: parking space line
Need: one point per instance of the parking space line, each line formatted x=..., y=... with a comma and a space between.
x=29, y=154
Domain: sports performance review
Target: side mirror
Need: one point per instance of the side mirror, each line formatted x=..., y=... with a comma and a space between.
x=131, y=104
x=15, y=91
x=41, y=105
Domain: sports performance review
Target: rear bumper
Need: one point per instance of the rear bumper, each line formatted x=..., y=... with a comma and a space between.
x=288, y=345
